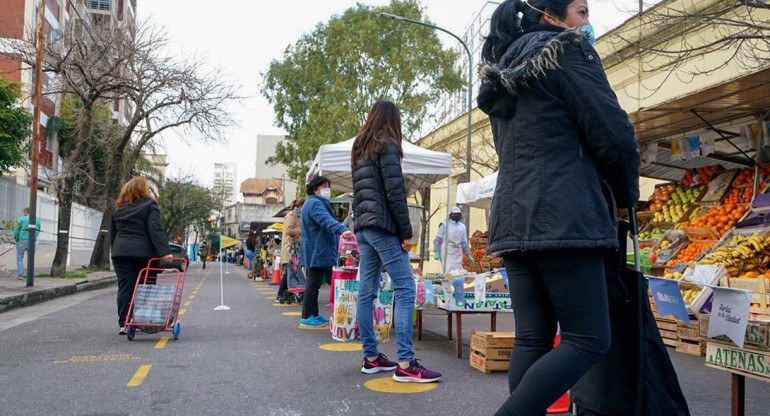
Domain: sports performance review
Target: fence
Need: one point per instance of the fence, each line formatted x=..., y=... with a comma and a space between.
x=84, y=227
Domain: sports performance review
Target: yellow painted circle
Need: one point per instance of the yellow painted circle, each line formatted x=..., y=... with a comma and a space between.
x=388, y=385
x=326, y=327
x=342, y=346
x=286, y=305
x=295, y=313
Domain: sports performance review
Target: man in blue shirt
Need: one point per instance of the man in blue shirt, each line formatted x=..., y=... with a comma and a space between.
x=21, y=236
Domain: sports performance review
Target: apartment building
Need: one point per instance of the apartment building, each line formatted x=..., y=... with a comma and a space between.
x=224, y=182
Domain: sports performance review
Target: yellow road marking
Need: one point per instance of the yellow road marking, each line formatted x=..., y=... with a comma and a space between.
x=161, y=343
x=187, y=303
x=98, y=358
x=286, y=305
x=60, y=361
x=182, y=311
x=192, y=297
x=326, y=327
x=295, y=313
x=388, y=385
x=139, y=376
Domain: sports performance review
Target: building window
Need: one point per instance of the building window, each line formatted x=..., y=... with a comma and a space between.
x=99, y=4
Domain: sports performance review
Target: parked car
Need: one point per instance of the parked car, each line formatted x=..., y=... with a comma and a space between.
x=178, y=251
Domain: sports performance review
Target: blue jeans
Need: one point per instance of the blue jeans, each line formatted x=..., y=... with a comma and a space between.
x=21, y=250
x=378, y=249
x=250, y=256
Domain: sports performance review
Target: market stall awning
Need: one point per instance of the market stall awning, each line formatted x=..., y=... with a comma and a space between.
x=421, y=167
x=742, y=97
x=276, y=226
x=477, y=194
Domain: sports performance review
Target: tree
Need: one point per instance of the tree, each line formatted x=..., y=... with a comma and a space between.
x=322, y=88
x=167, y=95
x=183, y=203
x=15, y=126
x=740, y=28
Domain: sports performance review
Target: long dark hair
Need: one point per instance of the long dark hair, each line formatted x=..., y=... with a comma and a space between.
x=506, y=26
x=382, y=126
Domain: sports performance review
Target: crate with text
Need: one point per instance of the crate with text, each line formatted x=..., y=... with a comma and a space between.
x=745, y=362
x=491, y=351
x=757, y=333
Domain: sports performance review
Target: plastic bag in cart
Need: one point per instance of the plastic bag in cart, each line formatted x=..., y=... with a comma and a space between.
x=151, y=306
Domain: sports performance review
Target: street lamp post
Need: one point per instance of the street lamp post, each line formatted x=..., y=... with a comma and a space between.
x=469, y=102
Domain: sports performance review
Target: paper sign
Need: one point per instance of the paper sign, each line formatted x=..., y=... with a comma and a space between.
x=704, y=273
x=707, y=141
x=429, y=293
x=668, y=298
x=650, y=153
x=459, y=291
x=480, y=289
x=676, y=150
x=684, y=145
x=730, y=314
x=694, y=145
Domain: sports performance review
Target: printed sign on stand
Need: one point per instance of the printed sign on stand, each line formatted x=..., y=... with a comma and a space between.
x=730, y=314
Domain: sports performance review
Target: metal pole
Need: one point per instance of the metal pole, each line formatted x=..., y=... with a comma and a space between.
x=446, y=223
x=470, y=107
x=36, y=142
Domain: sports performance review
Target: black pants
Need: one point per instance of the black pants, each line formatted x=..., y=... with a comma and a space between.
x=315, y=278
x=565, y=288
x=127, y=269
x=203, y=259
x=284, y=286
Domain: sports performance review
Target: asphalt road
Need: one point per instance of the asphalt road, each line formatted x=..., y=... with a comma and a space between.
x=64, y=357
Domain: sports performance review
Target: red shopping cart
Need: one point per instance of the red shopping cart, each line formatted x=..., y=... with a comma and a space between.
x=155, y=303
x=347, y=267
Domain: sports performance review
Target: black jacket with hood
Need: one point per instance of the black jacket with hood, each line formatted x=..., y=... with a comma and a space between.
x=379, y=194
x=567, y=152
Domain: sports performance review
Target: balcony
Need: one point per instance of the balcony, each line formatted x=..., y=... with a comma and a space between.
x=100, y=5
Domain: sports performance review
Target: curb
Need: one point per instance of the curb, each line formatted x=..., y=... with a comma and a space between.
x=26, y=299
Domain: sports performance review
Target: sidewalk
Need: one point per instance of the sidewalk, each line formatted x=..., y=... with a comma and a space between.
x=14, y=293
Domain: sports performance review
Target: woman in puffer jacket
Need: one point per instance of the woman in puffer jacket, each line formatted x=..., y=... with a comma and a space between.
x=384, y=235
x=568, y=159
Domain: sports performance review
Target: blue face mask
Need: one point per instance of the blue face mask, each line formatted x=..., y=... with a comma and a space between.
x=588, y=30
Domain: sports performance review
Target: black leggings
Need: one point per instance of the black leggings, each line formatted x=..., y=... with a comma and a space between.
x=567, y=288
x=315, y=278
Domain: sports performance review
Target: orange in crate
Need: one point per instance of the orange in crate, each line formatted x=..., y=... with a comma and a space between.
x=720, y=218
x=690, y=253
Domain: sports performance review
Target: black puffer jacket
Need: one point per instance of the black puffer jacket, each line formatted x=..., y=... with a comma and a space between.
x=566, y=149
x=379, y=199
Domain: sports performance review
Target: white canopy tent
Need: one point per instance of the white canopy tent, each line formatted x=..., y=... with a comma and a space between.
x=421, y=167
x=477, y=194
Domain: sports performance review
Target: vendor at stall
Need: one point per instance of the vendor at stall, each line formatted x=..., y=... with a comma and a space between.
x=457, y=240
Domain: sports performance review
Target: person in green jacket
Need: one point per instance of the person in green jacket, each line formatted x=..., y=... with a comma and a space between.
x=21, y=237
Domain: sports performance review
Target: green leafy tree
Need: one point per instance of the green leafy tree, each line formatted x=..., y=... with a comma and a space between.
x=15, y=126
x=322, y=88
x=183, y=203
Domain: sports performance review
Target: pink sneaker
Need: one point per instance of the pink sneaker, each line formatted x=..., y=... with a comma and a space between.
x=416, y=374
x=380, y=364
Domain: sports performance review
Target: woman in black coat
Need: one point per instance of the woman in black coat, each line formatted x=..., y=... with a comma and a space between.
x=137, y=236
x=568, y=159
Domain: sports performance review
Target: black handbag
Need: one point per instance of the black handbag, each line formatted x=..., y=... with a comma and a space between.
x=636, y=377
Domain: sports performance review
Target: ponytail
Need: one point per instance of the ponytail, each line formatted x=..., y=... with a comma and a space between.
x=506, y=26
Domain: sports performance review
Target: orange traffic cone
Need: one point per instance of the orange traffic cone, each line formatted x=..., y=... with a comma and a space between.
x=276, y=271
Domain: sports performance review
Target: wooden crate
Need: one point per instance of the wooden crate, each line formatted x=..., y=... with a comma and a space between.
x=688, y=332
x=758, y=286
x=700, y=233
x=669, y=342
x=696, y=348
x=746, y=362
x=491, y=351
x=757, y=333
x=487, y=366
x=667, y=329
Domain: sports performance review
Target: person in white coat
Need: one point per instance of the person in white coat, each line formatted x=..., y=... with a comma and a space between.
x=458, y=241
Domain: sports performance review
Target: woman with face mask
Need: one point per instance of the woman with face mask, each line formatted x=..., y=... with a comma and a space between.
x=318, y=251
x=568, y=158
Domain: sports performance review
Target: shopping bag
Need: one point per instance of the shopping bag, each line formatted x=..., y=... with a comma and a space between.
x=151, y=306
x=344, y=325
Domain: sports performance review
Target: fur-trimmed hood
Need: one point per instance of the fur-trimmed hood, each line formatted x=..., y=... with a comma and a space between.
x=528, y=58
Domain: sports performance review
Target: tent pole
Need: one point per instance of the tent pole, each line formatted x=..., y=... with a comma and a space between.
x=446, y=222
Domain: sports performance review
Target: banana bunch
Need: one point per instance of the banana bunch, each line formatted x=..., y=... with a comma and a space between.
x=741, y=254
x=689, y=295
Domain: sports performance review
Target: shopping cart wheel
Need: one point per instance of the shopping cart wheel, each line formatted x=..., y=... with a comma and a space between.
x=177, y=330
x=130, y=333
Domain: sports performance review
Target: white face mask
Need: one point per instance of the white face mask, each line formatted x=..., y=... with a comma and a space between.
x=326, y=193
